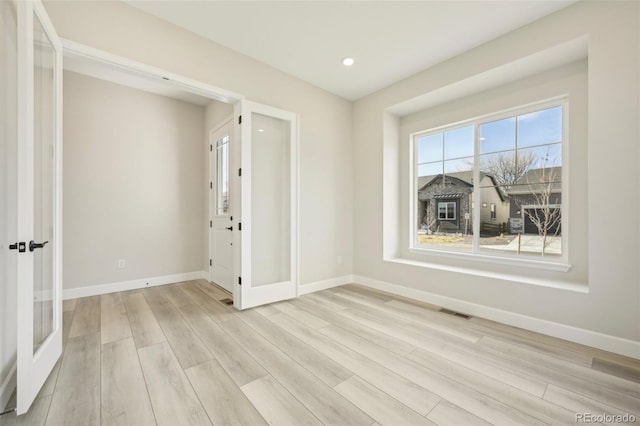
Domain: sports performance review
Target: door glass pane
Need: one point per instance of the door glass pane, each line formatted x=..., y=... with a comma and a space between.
x=270, y=204
x=44, y=137
x=222, y=176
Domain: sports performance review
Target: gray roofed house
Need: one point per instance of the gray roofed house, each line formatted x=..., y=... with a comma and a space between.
x=445, y=202
x=533, y=192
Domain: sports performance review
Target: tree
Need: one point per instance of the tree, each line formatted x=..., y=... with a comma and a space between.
x=429, y=216
x=545, y=217
x=508, y=168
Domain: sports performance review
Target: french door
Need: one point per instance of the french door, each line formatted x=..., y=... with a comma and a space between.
x=39, y=245
x=266, y=240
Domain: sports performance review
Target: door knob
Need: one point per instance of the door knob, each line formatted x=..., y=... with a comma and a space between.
x=33, y=245
x=230, y=228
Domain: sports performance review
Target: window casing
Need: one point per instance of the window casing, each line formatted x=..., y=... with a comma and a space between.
x=511, y=161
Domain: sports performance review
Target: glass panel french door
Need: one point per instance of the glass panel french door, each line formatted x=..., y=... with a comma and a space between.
x=39, y=195
x=269, y=209
x=43, y=143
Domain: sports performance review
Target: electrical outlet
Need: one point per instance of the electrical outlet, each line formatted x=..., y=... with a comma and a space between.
x=122, y=263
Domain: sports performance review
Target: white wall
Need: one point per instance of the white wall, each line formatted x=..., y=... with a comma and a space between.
x=133, y=178
x=326, y=189
x=8, y=201
x=611, y=306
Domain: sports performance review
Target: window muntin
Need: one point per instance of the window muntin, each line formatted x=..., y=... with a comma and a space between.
x=513, y=163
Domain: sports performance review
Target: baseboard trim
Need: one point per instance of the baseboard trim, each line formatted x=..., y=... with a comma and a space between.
x=325, y=284
x=594, y=339
x=8, y=387
x=96, y=290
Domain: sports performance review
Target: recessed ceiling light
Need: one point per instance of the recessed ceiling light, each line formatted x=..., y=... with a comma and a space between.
x=348, y=61
x=261, y=130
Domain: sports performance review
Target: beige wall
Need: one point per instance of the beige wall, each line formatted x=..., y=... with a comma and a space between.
x=8, y=200
x=611, y=305
x=133, y=178
x=326, y=190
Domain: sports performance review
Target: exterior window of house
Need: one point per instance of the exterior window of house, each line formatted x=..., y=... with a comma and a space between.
x=510, y=161
x=446, y=211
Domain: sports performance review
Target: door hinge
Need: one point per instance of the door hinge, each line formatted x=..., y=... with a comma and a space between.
x=210, y=185
x=239, y=280
x=210, y=224
x=240, y=171
x=210, y=262
x=211, y=147
x=239, y=226
x=239, y=119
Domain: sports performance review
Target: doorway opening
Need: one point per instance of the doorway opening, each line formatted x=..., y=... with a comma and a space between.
x=213, y=107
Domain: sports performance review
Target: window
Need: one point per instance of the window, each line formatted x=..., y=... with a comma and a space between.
x=446, y=211
x=222, y=181
x=511, y=162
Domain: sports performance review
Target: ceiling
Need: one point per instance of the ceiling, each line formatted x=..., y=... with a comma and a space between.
x=389, y=40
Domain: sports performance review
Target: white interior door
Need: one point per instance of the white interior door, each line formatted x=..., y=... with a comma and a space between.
x=221, y=219
x=39, y=201
x=268, y=225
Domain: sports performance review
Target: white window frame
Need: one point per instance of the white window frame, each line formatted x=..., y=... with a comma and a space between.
x=555, y=263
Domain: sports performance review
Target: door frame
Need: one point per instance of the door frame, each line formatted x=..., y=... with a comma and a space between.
x=213, y=189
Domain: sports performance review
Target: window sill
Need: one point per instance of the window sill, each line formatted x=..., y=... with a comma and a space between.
x=496, y=260
x=520, y=278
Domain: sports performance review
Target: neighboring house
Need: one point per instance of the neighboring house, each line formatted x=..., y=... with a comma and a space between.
x=532, y=192
x=445, y=203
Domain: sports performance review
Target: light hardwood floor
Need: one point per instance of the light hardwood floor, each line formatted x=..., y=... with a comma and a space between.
x=175, y=355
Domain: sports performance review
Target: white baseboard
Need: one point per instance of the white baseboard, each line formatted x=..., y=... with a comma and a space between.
x=594, y=339
x=7, y=387
x=96, y=290
x=323, y=285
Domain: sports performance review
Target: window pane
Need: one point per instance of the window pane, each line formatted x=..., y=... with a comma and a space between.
x=540, y=127
x=502, y=168
x=541, y=156
x=498, y=136
x=430, y=169
x=461, y=165
x=222, y=181
x=458, y=143
x=430, y=148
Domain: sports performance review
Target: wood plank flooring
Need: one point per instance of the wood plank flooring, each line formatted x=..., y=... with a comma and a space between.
x=174, y=355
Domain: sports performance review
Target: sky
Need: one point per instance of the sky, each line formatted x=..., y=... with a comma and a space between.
x=538, y=132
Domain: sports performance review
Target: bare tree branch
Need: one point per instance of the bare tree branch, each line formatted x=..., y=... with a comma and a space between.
x=508, y=168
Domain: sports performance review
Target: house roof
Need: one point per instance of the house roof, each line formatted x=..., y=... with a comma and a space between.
x=536, y=179
x=463, y=179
